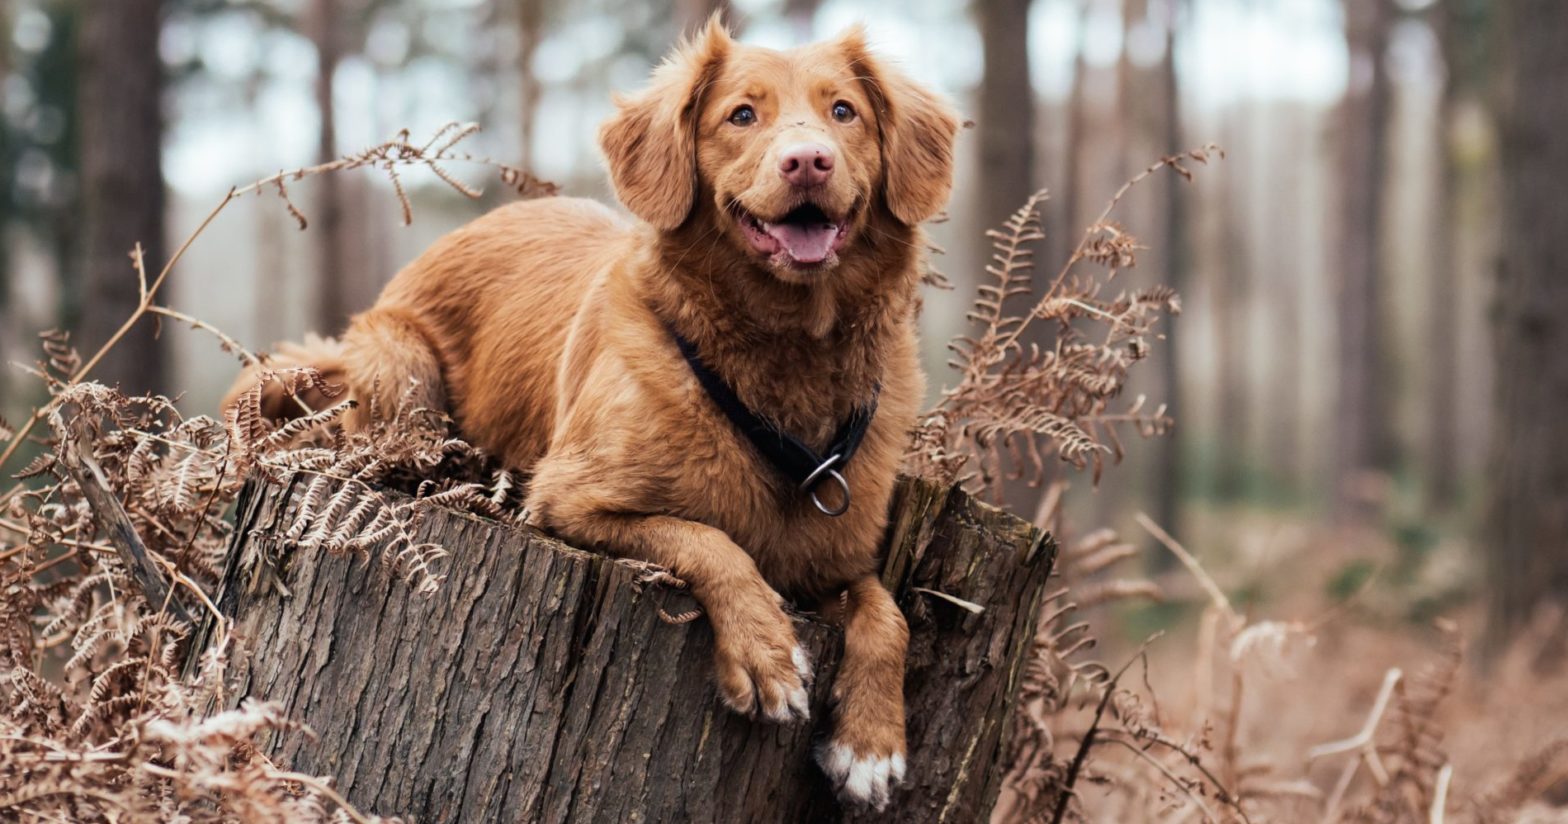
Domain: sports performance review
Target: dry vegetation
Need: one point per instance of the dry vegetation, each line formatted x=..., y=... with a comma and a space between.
x=109, y=715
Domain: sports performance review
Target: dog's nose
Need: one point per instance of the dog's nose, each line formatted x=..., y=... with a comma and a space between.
x=806, y=164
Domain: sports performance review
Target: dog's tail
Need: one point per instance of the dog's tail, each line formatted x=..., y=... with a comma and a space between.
x=385, y=353
x=283, y=395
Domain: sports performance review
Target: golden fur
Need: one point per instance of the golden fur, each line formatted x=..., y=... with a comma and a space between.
x=543, y=328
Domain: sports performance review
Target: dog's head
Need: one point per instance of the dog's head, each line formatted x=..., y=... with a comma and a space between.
x=789, y=157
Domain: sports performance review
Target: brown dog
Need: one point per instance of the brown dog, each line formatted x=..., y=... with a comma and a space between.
x=780, y=197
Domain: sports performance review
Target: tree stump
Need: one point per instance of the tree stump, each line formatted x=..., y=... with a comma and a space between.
x=540, y=683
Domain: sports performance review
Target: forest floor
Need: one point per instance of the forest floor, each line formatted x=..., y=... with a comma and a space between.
x=1354, y=686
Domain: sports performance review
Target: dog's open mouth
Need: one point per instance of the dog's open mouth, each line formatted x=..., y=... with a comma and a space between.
x=805, y=236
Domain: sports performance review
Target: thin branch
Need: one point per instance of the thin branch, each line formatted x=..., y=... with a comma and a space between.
x=1215, y=593
x=1082, y=756
x=1208, y=814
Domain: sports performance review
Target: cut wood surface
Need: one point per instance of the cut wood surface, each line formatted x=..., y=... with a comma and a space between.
x=540, y=682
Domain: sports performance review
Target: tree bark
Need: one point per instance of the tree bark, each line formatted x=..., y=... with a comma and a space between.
x=1527, y=518
x=539, y=683
x=120, y=105
x=1363, y=441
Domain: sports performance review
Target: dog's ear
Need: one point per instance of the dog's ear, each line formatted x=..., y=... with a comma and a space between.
x=917, y=129
x=651, y=142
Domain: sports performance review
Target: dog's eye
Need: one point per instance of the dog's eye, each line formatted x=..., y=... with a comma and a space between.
x=743, y=116
x=843, y=112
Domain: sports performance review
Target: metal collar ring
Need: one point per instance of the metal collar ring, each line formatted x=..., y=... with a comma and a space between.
x=823, y=472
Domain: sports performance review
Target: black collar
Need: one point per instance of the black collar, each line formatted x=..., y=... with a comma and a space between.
x=791, y=458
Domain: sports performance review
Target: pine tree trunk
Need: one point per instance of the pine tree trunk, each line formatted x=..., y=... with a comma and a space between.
x=1005, y=122
x=1527, y=522
x=1363, y=442
x=1005, y=113
x=122, y=184
x=333, y=282
x=530, y=31
x=1442, y=468
x=539, y=683
x=692, y=14
x=1233, y=300
x=1167, y=470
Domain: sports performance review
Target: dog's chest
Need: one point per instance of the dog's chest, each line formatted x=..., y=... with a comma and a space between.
x=799, y=549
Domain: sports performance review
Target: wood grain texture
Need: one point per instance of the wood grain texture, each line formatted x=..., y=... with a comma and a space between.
x=540, y=683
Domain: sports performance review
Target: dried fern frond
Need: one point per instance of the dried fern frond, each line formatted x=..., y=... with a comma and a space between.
x=1017, y=401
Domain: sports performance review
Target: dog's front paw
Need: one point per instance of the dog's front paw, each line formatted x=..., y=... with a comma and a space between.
x=762, y=670
x=865, y=759
x=861, y=778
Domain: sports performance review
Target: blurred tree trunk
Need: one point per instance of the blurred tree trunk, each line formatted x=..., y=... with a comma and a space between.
x=7, y=187
x=1364, y=443
x=1063, y=237
x=693, y=13
x=333, y=287
x=1005, y=110
x=119, y=102
x=1442, y=470
x=800, y=14
x=1005, y=120
x=1167, y=470
x=1527, y=517
x=530, y=30
x=1232, y=302
x=1277, y=323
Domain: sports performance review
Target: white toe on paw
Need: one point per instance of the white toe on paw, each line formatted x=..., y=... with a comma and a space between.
x=737, y=706
x=800, y=703
x=795, y=706
x=802, y=664
x=864, y=780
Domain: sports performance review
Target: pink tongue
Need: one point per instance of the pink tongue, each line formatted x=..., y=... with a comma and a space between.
x=809, y=243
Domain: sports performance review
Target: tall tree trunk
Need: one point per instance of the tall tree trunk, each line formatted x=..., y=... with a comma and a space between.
x=333, y=283
x=1005, y=120
x=1067, y=230
x=1232, y=297
x=800, y=14
x=1442, y=344
x=530, y=30
x=1281, y=233
x=1527, y=517
x=122, y=183
x=693, y=13
x=7, y=168
x=1167, y=450
x=1363, y=443
x=1005, y=110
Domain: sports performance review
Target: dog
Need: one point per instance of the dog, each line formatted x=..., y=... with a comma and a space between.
x=769, y=280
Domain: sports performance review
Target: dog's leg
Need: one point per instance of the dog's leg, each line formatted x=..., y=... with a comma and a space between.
x=760, y=667
x=865, y=757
